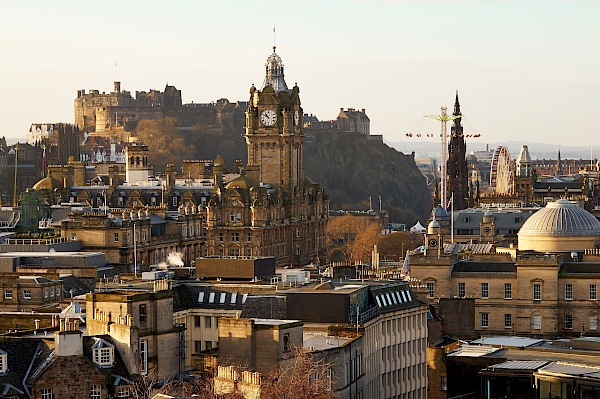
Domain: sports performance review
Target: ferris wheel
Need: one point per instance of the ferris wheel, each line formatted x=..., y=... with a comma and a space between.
x=501, y=171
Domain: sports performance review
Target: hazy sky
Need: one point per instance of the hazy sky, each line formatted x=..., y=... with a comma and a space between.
x=526, y=70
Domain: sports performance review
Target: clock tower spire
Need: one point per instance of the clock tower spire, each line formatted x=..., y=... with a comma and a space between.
x=274, y=132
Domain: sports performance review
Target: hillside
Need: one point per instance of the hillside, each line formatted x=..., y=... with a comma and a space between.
x=351, y=169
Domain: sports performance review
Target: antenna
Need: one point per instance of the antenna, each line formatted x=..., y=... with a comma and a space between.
x=117, y=69
x=273, y=37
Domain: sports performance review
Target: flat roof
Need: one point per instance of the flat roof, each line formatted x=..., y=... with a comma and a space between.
x=473, y=351
x=49, y=254
x=518, y=342
x=321, y=341
x=275, y=322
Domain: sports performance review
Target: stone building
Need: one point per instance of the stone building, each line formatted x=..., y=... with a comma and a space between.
x=271, y=209
x=141, y=327
x=25, y=292
x=69, y=366
x=547, y=287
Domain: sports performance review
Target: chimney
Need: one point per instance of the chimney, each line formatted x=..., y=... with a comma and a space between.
x=69, y=340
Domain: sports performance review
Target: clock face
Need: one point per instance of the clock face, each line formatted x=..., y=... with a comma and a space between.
x=487, y=230
x=296, y=118
x=234, y=203
x=268, y=117
x=433, y=243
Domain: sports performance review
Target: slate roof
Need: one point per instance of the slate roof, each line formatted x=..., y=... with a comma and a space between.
x=590, y=269
x=20, y=353
x=484, y=267
x=71, y=282
x=392, y=297
x=204, y=296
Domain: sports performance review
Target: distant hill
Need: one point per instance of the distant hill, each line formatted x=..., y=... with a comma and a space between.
x=351, y=169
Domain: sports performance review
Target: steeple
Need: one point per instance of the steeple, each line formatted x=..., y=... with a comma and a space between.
x=558, y=165
x=457, y=163
x=274, y=73
x=456, y=105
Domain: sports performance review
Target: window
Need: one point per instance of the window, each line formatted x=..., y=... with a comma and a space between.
x=196, y=321
x=220, y=236
x=484, y=290
x=537, y=322
x=103, y=356
x=95, y=392
x=232, y=217
x=3, y=361
x=238, y=217
x=593, y=323
x=329, y=379
x=235, y=237
x=485, y=319
x=537, y=292
x=286, y=342
x=47, y=393
x=444, y=383
x=144, y=356
x=461, y=290
x=249, y=237
x=175, y=201
x=207, y=321
x=27, y=294
x=123, y=392
x=508, y=320
x=507, y=291
x=142, y=313
x=430, y=290
x=208, y=344
x=569, y=292
x=297, y=232
x=197, y=346
x=7, y=294
x=593, y=292
x=568, y=321
x=116, y=237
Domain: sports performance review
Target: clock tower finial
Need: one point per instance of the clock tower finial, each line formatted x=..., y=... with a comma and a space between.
x=274, y=73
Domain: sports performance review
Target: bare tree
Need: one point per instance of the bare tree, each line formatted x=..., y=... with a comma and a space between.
x=299, y=377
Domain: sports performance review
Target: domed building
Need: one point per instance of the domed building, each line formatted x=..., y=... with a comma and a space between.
x=560, y=226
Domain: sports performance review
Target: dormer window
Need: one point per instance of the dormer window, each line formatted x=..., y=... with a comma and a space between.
x=104, y=353
x=3, y=362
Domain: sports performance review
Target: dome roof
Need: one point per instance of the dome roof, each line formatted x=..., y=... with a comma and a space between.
x=440, y=213
x=561, y=219
x=47, y=183
x=241, y=182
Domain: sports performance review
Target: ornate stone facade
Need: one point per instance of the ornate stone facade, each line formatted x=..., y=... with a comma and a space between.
x=271, y=209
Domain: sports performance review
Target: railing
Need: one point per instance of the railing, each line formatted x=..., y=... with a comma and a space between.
x=37, y=241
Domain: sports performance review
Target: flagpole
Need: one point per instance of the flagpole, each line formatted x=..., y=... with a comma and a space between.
x=452, y=218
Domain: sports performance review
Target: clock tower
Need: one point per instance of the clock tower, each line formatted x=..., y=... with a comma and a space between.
x=274, y=132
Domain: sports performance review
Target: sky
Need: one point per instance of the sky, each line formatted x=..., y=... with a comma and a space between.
x=526, y=71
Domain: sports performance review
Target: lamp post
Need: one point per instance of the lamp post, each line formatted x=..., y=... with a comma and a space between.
x=134, y=250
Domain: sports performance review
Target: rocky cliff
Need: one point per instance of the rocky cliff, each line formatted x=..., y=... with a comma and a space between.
x=352, y=168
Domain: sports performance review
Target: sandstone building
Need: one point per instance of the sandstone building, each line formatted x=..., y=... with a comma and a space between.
x=547, y=287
